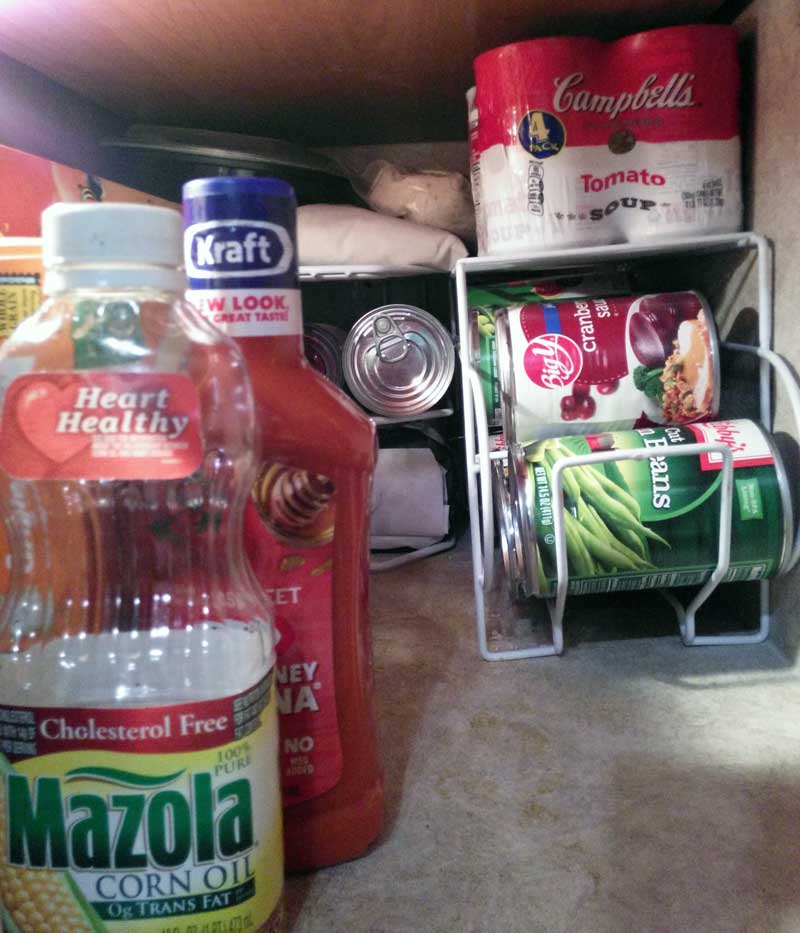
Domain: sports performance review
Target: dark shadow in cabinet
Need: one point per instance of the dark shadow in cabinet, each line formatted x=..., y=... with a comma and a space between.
x=622, y=616
x=342, y=303
x=747, y=115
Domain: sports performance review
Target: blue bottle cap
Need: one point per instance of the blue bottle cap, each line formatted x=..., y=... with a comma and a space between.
x=238, y=186
x=240, y=232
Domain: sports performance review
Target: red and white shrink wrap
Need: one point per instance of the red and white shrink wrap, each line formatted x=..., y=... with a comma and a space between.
x=579, y=142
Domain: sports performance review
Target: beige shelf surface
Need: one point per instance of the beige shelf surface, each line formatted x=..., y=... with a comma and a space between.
x=633, y=784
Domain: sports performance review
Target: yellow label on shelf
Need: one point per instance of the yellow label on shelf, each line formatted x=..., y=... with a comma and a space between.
x=20, y=282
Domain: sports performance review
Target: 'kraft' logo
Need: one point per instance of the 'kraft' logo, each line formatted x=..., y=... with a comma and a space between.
x=236, y=249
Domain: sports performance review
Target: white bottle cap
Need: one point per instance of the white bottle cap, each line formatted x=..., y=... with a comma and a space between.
x=112, y=246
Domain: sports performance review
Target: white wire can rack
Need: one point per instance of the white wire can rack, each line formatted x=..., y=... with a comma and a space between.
x=479, y=453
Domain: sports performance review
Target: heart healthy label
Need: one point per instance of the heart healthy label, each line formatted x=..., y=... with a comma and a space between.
x=142, y=820
x=100, y=425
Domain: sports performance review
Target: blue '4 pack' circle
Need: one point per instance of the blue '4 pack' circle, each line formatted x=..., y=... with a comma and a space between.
x=541, y=134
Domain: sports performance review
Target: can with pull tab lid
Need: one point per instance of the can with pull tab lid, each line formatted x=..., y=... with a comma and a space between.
x=323, y=344
x=398, y=360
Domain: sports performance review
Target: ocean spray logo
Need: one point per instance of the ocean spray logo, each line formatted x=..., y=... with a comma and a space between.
x=236, y=249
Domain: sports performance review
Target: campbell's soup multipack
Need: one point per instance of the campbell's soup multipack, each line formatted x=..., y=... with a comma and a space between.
x=577, y=142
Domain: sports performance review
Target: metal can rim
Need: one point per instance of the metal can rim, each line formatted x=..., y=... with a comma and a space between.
x=784, y=488
x=502, y=503
x=505, y=374
x=473, y=338
x=507, y=530
x=521, y=501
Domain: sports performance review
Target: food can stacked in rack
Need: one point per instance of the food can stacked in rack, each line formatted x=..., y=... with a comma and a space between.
x=606, y=363
x=508, y=530
x=654, y=522
x=485, y=301
x=627, y=373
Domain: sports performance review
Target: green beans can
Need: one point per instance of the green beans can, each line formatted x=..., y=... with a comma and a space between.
x=645, y=524
x=483, y=356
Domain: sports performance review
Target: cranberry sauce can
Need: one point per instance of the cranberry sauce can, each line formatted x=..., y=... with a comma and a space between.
x=484, y=300
x=652, y=523
x=604, y=364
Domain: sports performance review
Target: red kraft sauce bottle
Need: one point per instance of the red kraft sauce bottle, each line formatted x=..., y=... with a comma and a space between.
x=307, y=528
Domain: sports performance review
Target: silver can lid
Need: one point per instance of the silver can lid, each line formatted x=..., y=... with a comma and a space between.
x=398, y=360
x=323, y=347
x=505, y=375
x=522, y=505
x=507, y=530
